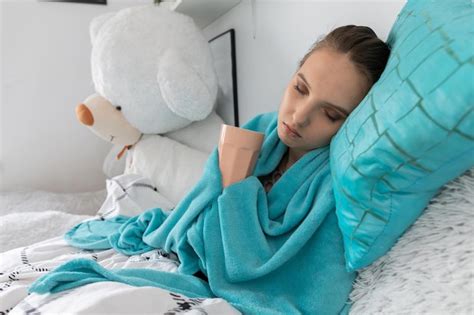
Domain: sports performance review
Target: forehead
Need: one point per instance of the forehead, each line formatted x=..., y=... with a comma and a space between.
x=332, y=77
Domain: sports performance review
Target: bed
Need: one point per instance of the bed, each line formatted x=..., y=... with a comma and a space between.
x=433, y=260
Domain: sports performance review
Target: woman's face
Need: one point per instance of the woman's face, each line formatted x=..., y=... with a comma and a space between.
x=318, y=99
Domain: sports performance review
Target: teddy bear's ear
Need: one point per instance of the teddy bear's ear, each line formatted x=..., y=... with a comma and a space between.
x=97, y=23
x=188, y=94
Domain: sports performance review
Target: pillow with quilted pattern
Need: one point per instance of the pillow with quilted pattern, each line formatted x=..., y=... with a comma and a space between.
x=411, y=134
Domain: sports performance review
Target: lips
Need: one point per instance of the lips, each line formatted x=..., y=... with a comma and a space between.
x=291, y=130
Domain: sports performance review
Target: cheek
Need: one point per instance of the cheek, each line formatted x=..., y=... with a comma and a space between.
x=324, y=129
x=338, y=126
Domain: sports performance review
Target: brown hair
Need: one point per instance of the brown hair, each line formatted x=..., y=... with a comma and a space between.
x=368, y=53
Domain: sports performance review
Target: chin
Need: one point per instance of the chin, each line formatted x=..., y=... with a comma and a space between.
x=282, y=139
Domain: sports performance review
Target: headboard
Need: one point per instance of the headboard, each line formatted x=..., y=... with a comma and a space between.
x=223, y=52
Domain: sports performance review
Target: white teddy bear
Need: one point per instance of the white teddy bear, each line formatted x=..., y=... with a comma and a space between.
x=153, y=72
x=154, y=67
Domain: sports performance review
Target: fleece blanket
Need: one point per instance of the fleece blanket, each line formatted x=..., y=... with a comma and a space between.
x=279, y=252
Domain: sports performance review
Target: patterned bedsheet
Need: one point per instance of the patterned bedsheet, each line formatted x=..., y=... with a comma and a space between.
x=38, y=221
x=21, y=266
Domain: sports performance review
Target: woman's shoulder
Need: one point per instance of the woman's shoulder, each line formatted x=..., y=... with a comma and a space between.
x=262, y=122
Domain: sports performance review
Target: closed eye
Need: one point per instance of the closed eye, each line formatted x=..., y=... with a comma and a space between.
x=297, y=88
x=332, y=118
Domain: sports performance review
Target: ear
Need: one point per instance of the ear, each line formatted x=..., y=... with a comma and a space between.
x=97, y=23
x=183, y=88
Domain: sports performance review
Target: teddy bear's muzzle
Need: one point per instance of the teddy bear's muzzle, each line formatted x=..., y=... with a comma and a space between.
x=84, y=115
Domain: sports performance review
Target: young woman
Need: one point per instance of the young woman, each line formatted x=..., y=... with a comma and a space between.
x=331, y=80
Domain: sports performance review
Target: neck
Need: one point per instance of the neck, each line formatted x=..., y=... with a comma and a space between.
x=292, y=156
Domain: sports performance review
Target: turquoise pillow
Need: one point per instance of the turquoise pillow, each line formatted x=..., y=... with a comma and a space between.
x=411, y=134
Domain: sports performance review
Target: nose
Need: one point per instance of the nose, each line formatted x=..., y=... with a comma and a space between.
x=84, y=115
x=301, y=116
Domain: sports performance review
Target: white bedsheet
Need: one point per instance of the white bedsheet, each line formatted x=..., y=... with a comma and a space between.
x=87, y=203
x=118, y=298
x=34, y=216
x=22, y=229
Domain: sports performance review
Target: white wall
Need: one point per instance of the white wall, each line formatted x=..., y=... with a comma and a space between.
x=285, y=30
x=45, y=73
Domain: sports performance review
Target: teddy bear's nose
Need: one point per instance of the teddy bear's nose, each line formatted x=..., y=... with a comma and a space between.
x=84, y=115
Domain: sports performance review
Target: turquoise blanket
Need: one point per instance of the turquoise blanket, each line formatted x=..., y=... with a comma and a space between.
x=280, y=252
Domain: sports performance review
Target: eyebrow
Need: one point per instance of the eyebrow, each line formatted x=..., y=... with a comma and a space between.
x=339, y=108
